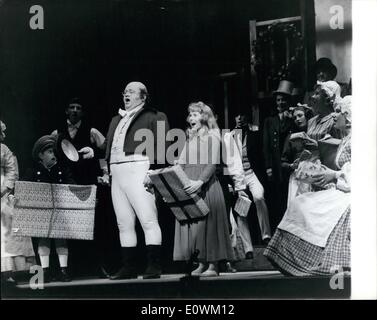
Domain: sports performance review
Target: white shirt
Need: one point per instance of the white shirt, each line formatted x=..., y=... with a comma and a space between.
x=233, y=161
x=117, y=153
x=96, y=137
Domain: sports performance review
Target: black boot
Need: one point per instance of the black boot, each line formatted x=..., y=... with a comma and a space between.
x=64, y=276
x=128, y=271
x=154, y=264
x=46, y=275
x=102, y=273
x=8, y=278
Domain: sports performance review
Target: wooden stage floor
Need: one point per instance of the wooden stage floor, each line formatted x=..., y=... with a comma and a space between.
x=241, y=285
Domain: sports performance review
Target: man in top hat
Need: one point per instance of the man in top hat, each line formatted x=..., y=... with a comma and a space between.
x=129, y=165
x=325, y=70
x=275, y=130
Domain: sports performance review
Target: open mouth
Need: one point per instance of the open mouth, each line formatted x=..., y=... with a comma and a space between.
x=127, y=100
x=193, y=124
x=51, y=163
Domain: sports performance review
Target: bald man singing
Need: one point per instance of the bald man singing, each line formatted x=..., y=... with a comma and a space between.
x=129, y=165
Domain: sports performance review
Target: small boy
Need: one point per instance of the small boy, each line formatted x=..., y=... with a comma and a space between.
x=48, y=170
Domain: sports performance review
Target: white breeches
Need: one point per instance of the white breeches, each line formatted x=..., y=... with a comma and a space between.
x=257, y=191
x=130, y=199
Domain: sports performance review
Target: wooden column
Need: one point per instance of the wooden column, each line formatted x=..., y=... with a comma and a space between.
x=309, y=41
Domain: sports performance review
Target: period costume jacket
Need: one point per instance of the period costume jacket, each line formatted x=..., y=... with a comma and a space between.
x=85, y=171
x=57, y=174
x=275, y=132
x=146, y=118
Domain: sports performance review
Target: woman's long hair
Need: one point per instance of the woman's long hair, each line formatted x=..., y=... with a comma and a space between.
x=208, y=119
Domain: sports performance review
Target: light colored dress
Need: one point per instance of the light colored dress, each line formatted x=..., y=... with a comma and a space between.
x=291, y=152
x=314, y=235
x=210, y=236
x=17, y=253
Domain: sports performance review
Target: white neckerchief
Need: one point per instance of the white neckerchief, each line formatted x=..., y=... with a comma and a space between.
x=72, y=128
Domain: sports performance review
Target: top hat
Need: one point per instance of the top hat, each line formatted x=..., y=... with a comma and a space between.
x=327, y=65
x=285, y=87
x=296, y=91
x=69, y=150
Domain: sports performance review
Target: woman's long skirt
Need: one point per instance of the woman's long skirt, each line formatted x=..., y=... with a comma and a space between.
x=210, y=236
x=294, y=256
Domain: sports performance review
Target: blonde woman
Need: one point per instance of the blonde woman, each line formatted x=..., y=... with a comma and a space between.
x=210, y=235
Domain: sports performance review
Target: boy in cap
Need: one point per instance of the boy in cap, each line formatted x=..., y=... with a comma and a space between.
x=48, y=170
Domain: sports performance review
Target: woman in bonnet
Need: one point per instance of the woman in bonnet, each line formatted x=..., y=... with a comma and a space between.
x=314, y=235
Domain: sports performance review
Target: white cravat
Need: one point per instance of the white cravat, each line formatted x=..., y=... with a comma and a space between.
x=73, y=128
x=122, y=112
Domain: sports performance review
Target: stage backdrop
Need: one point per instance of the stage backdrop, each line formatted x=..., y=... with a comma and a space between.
x=334, y=36
x=91, y=49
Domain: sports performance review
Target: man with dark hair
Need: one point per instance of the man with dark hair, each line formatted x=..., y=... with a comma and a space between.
x=78, y=131
x=88, y=257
